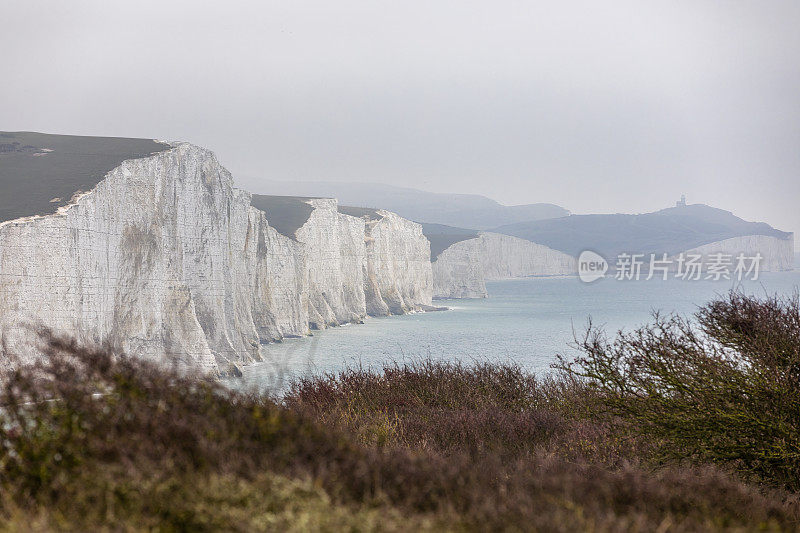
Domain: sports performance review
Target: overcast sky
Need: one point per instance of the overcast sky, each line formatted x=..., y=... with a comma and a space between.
x=595, y=106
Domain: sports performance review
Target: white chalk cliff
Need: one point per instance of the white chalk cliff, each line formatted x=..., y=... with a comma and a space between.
x=398, y=276
x=507, y=257
x=458, y=271
x=462, y=269
x=164, y=258
x=335, y=252
x=776, y=254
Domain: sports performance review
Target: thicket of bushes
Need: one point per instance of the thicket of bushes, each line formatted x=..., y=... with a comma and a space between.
x=724, y=388
x=673, y=427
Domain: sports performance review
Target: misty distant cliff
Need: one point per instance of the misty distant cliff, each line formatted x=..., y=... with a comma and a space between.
x=464, y=259
x=671, y=231
x=459, y=210
x=464, y=262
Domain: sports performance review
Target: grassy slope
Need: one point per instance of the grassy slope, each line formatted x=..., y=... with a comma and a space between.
x=284, y=213
x=360, y=212
x=28, y=182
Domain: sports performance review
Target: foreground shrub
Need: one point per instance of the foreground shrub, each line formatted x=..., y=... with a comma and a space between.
x=445, y=407
x=724, y=387
x=560, y=466
x=96, y=438
x=92, y=440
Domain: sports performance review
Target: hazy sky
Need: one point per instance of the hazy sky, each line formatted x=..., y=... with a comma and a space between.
x=596, y=106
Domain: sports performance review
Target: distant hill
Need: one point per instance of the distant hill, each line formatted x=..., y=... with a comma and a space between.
x=462, y=210
x=40, y=172
x=667, y=231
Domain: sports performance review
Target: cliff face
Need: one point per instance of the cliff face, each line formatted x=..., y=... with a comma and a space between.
x=397, y=274
x=143, y=261
x=777, y=254
x=458, y=271
x=278, y=281
x=462, y=269
x=504, y=257
x=165, y=258
x=335, y=251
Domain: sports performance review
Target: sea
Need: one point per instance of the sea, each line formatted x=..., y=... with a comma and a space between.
x=525, y=321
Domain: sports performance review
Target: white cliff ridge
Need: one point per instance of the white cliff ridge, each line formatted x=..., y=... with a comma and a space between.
x=164, y=258
x=335, y=252
x=458, y=271
x=397, y=274
x=775, y=254
x=462, y=269
x=506, y=257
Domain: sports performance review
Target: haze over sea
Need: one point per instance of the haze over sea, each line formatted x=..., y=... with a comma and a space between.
x=527, y=321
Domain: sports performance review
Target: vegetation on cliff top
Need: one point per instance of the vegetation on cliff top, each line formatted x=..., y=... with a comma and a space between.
x=675, y=427
x=41, y=172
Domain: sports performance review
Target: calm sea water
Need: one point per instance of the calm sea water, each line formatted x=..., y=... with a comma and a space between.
x=527, y=321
